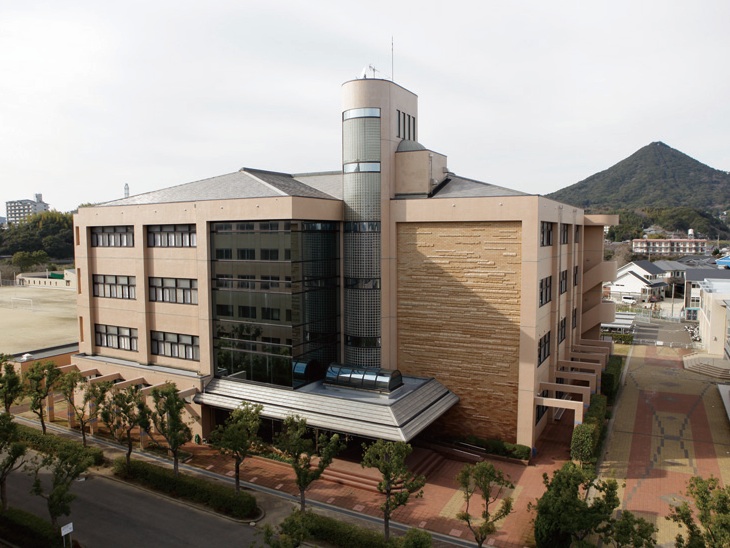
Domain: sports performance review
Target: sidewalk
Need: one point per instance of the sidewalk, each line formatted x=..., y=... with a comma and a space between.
x=669, y=425
x=436, y=511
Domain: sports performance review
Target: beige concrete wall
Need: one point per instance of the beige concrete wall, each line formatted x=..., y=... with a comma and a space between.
x=142, y=262
x=459, y=318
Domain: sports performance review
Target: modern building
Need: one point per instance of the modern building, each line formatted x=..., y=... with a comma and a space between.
x=382, y=299
x=669, y=246
x=18, y=210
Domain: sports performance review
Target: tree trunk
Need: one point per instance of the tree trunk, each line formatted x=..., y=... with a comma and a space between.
x=83, y=433
x=175, y=464
x=301, y=499
x=238, y=475
x=386, y=514
x=43, y=422
x=129, y=451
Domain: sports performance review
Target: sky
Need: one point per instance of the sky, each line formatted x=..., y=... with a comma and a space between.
x=529, y=95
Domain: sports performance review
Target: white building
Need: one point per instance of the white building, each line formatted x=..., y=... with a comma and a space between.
x=18, y=210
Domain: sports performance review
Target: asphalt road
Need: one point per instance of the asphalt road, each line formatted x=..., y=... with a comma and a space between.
x=109, y=514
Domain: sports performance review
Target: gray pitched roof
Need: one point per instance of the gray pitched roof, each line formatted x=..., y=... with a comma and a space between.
x=246, y=183
x=699, y=274
x=669, y=266
x=461, y=187
x=650, y=267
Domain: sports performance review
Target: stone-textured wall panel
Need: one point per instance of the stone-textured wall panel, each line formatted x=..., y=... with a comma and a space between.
x=459, y=318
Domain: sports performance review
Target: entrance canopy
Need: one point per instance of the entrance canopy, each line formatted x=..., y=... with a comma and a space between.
x=396, y=416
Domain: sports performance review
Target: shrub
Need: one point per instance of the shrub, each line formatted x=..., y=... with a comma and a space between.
x=582, y=445
x=501, y=448
x=339, y=533
x=24, y=529
x=587, y=437
x=49, y=444
x=220, y=498
x=611, y=377
x=325, y=529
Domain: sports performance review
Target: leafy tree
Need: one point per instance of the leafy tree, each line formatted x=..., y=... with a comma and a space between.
x=65, y=466
x=491, y=483
x=628, y=530
x=296, y=443
x=40, y=381
x=397, y=483
x=11, y=454
x=565, y=515
x=24, y=260
x=713, y=513
x=239, y=433
x=167, y=416
x=11, y=386
x=49, y=231
x=122, y=411
x=93, y=394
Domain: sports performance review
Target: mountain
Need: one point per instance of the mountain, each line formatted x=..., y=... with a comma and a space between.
x=656, y=176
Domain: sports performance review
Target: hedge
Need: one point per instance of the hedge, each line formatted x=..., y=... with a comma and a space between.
x=499, y=447
x=218, y=497
x=28, y=530
x=346, y=535
x=587, y=437
x=48, y=444
x=611, y=377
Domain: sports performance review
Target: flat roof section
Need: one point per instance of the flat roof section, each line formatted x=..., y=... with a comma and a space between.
x=397, y=416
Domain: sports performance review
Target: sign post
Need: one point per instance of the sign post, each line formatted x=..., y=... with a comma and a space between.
x=67, y=530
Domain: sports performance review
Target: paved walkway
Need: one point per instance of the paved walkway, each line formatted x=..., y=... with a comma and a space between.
x=670, y=424
x=436, y=511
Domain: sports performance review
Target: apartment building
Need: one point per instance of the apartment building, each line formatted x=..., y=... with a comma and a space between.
x=385, y=298
x=18, y=210
x=669, y=246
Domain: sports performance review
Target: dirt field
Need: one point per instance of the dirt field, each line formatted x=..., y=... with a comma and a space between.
x=32, y=318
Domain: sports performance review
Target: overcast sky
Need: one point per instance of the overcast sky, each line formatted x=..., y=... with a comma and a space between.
x=531, y=95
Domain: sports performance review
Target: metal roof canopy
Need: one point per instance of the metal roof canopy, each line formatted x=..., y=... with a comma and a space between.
x=397, y=416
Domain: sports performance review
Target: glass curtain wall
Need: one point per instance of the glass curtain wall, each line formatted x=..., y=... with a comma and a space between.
x=274, y=300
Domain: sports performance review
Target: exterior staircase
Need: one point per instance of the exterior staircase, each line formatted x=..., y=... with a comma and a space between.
x=707, y=364
x=421, y=462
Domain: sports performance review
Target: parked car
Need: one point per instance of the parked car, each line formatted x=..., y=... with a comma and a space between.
x=628, y=299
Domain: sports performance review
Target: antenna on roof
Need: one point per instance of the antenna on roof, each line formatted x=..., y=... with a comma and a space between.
x=392, y=71
x=369, y=69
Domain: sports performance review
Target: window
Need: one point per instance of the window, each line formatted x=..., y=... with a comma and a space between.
x=112, y=336
x=563, y=282
x=224, y=310
x=174, y=345
x=246, y=254
x=561, y=330
x=115, y=287
x=541, y=409
x=171, y=236
x=543, y=348
x=564, y=233
x=576, y=238
x=223, y=254
x=245, y=281
x=269, y=254
x=270, y=343
x=173, y=290
x=112, y=236
x=575, y=275
x=273, y=314
x=546, y=290
x=546, y=234
x=247, y=312
x=575, y=318
x=269, y=282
